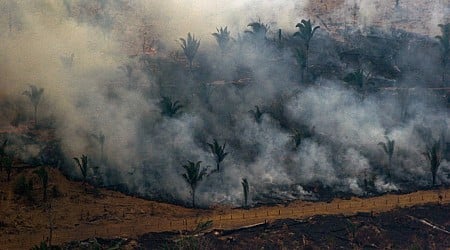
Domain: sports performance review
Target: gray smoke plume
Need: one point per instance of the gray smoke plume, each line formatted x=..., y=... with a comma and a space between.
x=106, y=65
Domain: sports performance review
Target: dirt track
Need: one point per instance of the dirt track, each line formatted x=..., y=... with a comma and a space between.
x=225, y=218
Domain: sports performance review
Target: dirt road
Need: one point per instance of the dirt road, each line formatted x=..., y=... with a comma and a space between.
x=224, y=218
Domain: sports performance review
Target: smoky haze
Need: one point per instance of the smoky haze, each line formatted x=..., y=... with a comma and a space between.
x=105, y=66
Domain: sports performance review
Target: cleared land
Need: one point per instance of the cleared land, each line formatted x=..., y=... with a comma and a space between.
x=77, y=215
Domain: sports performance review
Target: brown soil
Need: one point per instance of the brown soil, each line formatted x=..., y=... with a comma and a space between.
x=78, y=215
x=411, y=15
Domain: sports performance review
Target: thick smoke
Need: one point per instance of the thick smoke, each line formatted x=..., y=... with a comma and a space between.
x=105, y=65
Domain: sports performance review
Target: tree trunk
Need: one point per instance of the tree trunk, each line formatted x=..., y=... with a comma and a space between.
x=193, y=197
x=45, y=194
x=143, y=45
x=10, y=23
x=35, y=116
x=305, y=73
x=443, y=72
x=84, y=184
x=389, y=168
x=101, y=153
x=51, y=226
x=434, y=178
x=245, y=197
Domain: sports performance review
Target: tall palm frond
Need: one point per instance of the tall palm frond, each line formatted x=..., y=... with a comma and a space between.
x=101, y=140
x=67, y=60
x=257, y=114
x=258, y=30
x=190, y=47
x=34, y=94
x=194, y=174
x=444, y=41
x=245, y=188
x=170, y=108
x=83, y=165
x=388, y=148
x=43, y=176
x=306, y=33
x=223, y=38
x=219, y=152
x=434, y=155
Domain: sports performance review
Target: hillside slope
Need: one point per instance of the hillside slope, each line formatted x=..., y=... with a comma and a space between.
x=79, y=215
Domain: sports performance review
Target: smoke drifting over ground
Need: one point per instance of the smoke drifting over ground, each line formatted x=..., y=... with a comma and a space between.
x=125, y=59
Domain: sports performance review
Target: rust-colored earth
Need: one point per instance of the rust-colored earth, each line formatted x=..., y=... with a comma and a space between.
x=78, y=215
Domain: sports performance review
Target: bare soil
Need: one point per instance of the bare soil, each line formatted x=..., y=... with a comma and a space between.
x=424, y=227
x=79, y=215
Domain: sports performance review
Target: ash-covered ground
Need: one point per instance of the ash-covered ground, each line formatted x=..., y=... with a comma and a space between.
x=418, y=228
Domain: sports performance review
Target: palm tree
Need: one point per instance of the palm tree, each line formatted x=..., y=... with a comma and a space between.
x=388, y=148
x=169, y=108
x=67, y=61
x=6, y=162
x=2, y=153
x=83, y=165
x=258, y=31
x=219, y=152
x=306, y=33
x=194, y=174
x=101, y=140
x=42, y=246
x=357, y=78
x=444, y=40
x=245, y=188
x=43, y=176
x=433, y=154
x=2, y=147
x=35, y=95
x=296, y=137
x=257, y=114
x=223, y=39
x=280, y=39
x=403, y=96
x=300, y=57
x=190, y=46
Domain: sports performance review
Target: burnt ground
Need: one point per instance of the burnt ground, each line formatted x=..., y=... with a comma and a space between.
x=399, y=229
x=421, y=227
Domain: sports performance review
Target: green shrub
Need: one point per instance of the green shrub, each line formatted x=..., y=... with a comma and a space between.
x=42, y=246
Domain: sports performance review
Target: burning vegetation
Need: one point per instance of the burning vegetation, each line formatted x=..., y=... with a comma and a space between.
x=240, y=112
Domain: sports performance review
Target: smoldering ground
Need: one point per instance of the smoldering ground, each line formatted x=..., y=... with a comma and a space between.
x=103, y=90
